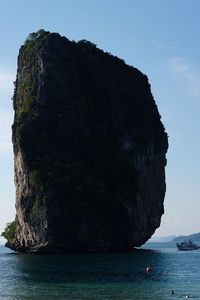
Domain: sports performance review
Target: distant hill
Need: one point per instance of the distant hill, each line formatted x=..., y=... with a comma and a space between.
x=161, y=239
x=194, y=237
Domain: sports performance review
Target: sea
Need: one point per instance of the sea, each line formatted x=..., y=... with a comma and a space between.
x=119, y=276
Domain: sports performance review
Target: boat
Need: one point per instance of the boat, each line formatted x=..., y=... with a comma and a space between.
x=187, y=245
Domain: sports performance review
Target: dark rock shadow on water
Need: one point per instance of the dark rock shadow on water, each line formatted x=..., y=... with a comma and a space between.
x=93, y=268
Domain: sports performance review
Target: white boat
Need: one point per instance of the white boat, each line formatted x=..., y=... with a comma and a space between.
x=187, y=245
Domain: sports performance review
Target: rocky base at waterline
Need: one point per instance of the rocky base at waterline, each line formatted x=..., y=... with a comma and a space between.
x=89, y=150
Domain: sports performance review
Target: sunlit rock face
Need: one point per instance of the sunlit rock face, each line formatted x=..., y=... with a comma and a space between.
x=89, y=150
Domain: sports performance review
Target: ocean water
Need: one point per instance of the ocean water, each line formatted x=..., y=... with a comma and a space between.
x=101, y=276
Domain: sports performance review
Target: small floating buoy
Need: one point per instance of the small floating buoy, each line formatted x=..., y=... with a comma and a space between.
x=149, y=269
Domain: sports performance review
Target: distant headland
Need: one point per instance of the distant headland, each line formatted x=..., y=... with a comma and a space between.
x=174, y=239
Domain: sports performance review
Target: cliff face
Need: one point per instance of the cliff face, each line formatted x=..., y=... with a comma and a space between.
x=89, y=149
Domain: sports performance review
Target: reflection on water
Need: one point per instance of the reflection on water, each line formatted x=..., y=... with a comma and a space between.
x=100, y=276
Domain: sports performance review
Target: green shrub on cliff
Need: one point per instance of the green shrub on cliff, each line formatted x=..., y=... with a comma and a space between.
x=9, y=231
x=35, y=35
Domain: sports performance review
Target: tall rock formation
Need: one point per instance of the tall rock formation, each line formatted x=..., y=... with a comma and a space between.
x=89, y=149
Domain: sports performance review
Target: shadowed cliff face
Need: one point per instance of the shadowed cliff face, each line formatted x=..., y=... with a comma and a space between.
x=89, y=149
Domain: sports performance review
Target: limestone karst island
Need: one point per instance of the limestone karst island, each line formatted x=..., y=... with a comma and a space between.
x=89, y=150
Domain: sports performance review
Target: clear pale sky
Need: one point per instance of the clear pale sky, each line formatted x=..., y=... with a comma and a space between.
x=159, y=37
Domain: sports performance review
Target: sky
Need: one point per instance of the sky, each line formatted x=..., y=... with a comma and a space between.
x=159, y=37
